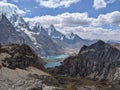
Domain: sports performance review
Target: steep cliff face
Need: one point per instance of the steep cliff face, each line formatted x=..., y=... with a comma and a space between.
x=98, y=61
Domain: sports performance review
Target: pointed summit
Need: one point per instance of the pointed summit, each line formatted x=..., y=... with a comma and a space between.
x=70, y=36
x=3, y=13
x=3, y=16
x=100, y=42
x=52, y=27
x=42, y=28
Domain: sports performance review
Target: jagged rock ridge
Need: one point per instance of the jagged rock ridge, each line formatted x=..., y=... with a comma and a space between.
x=97, y=61
x=31, y=32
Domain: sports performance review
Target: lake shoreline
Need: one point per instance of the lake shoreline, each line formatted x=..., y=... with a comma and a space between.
x=56, y=60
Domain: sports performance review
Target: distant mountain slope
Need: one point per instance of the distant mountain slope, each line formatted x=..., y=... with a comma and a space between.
x=8, y=34
x=66, y=42
x=52, y=32
x=97, y=61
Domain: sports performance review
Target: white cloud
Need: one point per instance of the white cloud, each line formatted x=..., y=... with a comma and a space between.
x=112, y=18
x=82, y=19
x=9, y=8
x=66, y=19
x=93, y=32
x=56, y=3
x=98, y=4
x=83, y=25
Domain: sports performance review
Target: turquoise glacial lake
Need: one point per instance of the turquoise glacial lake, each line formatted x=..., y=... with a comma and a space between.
x=55, y=60
x=57, y=57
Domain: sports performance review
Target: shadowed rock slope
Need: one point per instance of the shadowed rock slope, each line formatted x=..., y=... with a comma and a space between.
x=8, y=34
x=99, y=61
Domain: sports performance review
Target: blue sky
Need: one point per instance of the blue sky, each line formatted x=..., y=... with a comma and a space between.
x=35, y=9
x=93, y=19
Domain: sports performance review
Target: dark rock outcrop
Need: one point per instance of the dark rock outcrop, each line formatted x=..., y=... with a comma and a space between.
x=97, y=61
x=19, y=56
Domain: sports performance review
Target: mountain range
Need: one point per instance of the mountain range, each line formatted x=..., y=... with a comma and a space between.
x=23, y=42
x=44, y=40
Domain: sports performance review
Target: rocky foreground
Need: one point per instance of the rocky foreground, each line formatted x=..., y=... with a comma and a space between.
x=21, y=69
x=96, y=67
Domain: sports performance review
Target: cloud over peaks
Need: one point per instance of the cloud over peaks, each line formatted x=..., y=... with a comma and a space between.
x=10, y=8
x=83, y=25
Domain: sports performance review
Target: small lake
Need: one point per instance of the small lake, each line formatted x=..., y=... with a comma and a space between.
x=56, y=60
x=57, y=57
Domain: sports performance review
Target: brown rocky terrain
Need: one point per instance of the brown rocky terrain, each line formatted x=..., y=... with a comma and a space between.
x=21, y=69
x=117, y=46
x=19, y=56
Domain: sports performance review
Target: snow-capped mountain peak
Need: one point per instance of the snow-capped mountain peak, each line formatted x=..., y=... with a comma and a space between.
x=10, y=10
x=34, y=24
x=14, y=15
x=70, y=35
x=52, y=27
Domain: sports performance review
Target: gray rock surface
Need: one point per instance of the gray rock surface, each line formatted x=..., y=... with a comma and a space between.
x=8, y=34
x=87, y=88
x=99, y=61
x=25, y=84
